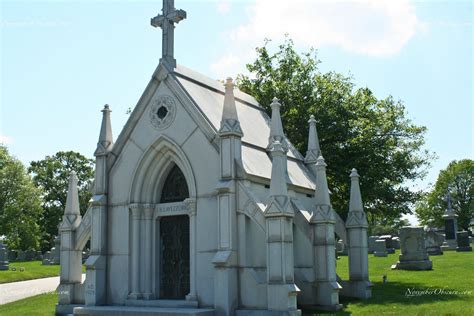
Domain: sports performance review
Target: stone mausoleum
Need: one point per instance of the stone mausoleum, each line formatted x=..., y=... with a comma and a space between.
x=202, y=206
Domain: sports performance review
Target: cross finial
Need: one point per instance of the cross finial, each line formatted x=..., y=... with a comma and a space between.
x=166, y=21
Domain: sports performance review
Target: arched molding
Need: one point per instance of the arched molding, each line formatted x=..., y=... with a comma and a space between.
x=154, y=166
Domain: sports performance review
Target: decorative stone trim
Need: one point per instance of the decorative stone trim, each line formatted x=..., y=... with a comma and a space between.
x=162, y=112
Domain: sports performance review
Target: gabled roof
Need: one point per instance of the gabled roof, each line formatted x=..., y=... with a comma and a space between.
x=208, y=95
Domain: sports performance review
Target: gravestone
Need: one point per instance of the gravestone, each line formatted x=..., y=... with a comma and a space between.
x=433, y=242
x=463, y=242
x=55, y=251
x=396, y=242
x=388, y=243
x=371, y=243
x=3, y=256
x=341, y=248
x=450, y=227
x=30, y=255
x=380, y=249
x=413, y=252
x=46, y=258
x=20, y=256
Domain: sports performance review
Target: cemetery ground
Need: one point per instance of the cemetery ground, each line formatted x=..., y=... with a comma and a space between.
x=28, y=270
x=446, y=290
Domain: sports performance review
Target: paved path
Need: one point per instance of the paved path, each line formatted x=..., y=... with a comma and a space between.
x=14, y=291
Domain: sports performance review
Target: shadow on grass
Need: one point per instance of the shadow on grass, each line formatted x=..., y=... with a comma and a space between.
x=400, y=293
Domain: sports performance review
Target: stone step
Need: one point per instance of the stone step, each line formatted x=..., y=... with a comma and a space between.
x=141, y=311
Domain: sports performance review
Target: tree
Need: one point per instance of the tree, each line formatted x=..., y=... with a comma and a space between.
x=52, y=175
x=20, y=204
x=458, y=178
x=356, y=130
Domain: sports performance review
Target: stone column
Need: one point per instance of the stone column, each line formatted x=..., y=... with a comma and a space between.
x=191, y=205
x=324, y=244
x=135, y=250
x=356, y=224
x=148, y=218
x=450, y=227
x=70, y=257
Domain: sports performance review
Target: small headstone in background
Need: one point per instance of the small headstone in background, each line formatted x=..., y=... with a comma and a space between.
x=380, y=250
x=46, y=258
x=39, y=256
x=433, y=242
x=3, y=256
x=463, y=242
x=413, y=251
x=20, y=256
x=371, y=243
x=30, y=255
x=396, y=242
x=55, y=251
x=388, y=243
x=11, y=255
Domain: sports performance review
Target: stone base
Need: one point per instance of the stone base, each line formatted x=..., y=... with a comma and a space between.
x=390, y=250
x=356, y=289
x=162, y=303
x=4, y=266
x=449, y=245
x=380, y=254
x=141, y=311
x=434, y=251
x=260, y=312
x=463, y=249
x=321, y=308
x=65, y=309
x=413, y=265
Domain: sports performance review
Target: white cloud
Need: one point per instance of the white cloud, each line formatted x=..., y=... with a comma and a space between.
x=377, y=28
x=223, y=6
x=5, y=140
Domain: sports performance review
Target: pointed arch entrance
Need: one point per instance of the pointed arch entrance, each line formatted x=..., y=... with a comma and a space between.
x=163, y=226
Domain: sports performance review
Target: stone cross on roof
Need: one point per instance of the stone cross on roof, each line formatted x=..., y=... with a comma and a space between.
x=166, y=21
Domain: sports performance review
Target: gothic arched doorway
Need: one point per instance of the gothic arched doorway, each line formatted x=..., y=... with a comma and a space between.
x=174, y=240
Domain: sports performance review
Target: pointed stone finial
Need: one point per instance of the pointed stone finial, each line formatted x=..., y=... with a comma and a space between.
x=72, y=200
x=276, y=128
x=230, y=121
x=106, y=141
x=356, y=216
x=278, y=185
x=313, y=151
x=321, y=196
x=355, y=198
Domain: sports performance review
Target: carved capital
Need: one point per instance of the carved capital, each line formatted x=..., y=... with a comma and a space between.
x=191, y=205
x=148, y=210
x=136, y=210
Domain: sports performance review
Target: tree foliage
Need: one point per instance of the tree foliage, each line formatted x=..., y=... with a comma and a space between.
x=20, y=204
x=458, y=177
x=52, y=175
x=356, y=130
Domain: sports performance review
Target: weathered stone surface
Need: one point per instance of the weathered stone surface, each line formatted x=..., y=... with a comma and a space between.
x=433, y=242
x=380, y=249
x=371, y=243
x=463, y=242
x=413, y=252
x=3, y=257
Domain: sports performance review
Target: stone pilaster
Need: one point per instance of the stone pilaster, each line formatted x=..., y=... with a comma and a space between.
x=136, y=210
x=70, y=257
x=359, y=285
x=148, y=218
x=96, y=274
x=322, y=222
x=191, y=205
x=225, y=259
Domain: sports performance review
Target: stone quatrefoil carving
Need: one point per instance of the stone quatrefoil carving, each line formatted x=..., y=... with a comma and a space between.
x=162, y=112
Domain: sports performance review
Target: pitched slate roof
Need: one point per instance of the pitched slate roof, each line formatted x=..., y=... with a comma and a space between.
x=208, y=95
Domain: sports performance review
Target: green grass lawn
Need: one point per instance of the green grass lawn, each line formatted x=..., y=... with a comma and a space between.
x=32, y=270
x=453, y=271
x=38, y=305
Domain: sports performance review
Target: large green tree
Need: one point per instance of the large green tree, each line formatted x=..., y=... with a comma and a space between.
x=20, y=204
x=355, y=128
x=458, y=178
x=52, y=175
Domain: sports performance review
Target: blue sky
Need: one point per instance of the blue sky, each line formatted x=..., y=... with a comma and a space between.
x=61, y=61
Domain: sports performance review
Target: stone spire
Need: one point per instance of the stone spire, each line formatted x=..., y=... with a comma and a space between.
x=321, y=198
x=276, y=128
x=356, y=216
x=314, y=150
x=106, y=141
x=278, y=185
x=230, y=121
x=72, y=200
